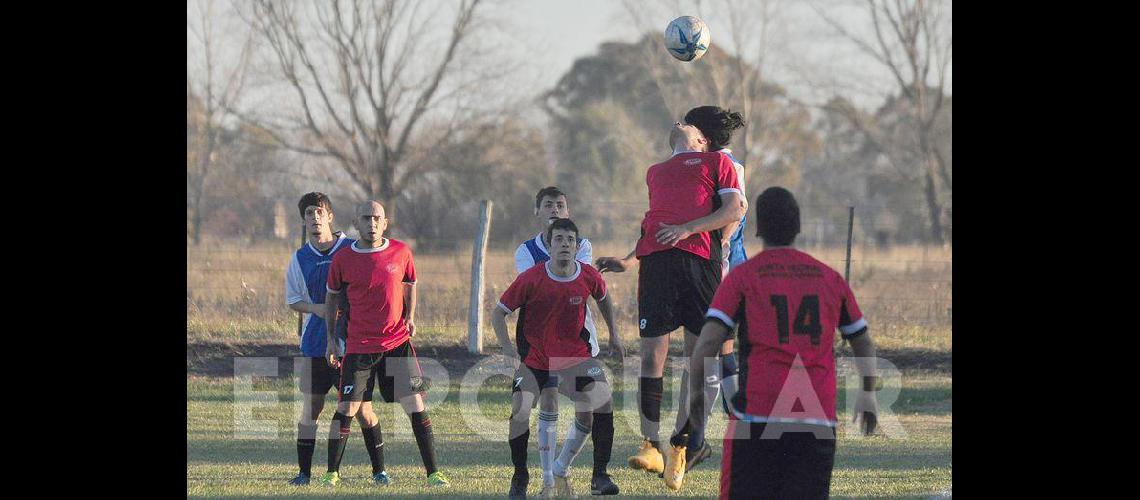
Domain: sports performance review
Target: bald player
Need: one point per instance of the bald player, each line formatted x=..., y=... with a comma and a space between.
x=377, y=277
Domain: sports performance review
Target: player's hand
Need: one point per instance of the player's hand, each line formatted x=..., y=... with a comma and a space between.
x=671, y=235
x=866, y=412
x=613, y=264
x=331, y=357
x=411, y=327
x=510, y=352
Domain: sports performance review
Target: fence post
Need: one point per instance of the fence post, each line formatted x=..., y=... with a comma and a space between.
x=478, y=257
x=850, y=230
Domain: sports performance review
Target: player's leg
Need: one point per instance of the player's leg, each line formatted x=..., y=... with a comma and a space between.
x=357, y=377
x=315, y=380
x=658, y=291
x=808, y=462
x=403, y=381
x=752, y=467
x=524, y=397
x=699, y=280
x=650, y=389
x=373, y=439
x=547, y=425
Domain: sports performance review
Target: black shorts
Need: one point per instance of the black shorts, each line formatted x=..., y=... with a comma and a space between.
x=797, y=465
x=584, y=374
x=397, y=370
x=674, y=289
x=317, y=377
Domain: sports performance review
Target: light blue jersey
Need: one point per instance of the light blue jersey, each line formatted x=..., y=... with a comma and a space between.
x=306, y=281
x=736, y=255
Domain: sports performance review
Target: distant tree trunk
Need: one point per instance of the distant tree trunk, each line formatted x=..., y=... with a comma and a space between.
x=934, y=209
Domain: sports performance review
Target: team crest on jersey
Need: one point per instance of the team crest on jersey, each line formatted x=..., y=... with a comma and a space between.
x=694, y=161
x=575, y=300
x=594, y=372
x=392, y=268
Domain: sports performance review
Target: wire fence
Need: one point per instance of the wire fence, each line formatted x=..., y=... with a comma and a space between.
x=235, y=287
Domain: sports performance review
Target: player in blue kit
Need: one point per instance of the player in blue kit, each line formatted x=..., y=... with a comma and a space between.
x=305, y=293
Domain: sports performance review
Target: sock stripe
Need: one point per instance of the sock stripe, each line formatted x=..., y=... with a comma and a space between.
x=581, y=427
x=549, y=417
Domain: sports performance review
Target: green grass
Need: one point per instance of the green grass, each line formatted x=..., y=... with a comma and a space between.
x=222, y=464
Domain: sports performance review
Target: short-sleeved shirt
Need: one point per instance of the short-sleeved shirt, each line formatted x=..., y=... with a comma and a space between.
x=374, y=279
x=787, y=305
x=534, y=251
x=553, y=314
x=305, y=281
x=682, y=189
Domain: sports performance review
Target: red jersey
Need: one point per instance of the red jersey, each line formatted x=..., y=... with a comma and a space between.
x=682, y=189
x=788, y=305
x=374, y=279
x=551, y=333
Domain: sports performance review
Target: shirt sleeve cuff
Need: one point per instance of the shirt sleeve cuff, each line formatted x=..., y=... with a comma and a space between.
x=505, y=308
x=853, y=328
x=330, y=290
x=718, y=314
x=728, y=190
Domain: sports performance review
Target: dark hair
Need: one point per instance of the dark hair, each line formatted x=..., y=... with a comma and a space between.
x=563, y=224
x=715, y=123
x=550, y=191
x=777, y=217
x=314, y=199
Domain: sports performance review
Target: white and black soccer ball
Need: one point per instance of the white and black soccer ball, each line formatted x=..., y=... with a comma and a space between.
x=687, y=38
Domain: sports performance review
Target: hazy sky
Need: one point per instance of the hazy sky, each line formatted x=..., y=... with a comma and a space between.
x=804, y=54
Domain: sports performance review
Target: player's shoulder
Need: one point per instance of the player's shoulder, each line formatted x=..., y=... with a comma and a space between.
x=590, y=271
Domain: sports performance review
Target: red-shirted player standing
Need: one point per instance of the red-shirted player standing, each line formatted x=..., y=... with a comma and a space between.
x=377, y=276
x=554, y=349
x=788, y=306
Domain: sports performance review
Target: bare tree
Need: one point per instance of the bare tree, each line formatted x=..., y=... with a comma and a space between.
x=911, y=40
x=208, y=98
x=363, y=77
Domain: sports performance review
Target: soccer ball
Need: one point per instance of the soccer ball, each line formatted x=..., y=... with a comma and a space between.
x=687, y=38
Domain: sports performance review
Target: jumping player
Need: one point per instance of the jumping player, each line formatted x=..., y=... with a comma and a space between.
x=692, y=197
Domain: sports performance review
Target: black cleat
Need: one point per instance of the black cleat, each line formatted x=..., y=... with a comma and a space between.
x=699, y=456
x=519, y=482
x=603, y=485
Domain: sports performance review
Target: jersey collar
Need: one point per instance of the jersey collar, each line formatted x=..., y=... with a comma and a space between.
x=555, y=277
x=381, y=248
x=339, y=239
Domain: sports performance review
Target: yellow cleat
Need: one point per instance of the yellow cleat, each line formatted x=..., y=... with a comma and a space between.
x=675, y=468
x=647, y=459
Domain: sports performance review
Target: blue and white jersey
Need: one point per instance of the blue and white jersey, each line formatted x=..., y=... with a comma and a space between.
x=306, y=281
x=736, y=255
x=533, y=251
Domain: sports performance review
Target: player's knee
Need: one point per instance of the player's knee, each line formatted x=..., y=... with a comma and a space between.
x=412, y=404
x=348, y=408
x=584, y=420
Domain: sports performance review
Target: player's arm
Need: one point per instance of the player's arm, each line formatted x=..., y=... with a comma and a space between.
x=866, y=406
x=731, y=209
x=332, y=306
x=605, y=306
x=713, y=334
x=295, y=296
x=410, y=307
x=499, y=322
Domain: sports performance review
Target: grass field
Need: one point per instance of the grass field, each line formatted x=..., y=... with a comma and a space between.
x=234, y=308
